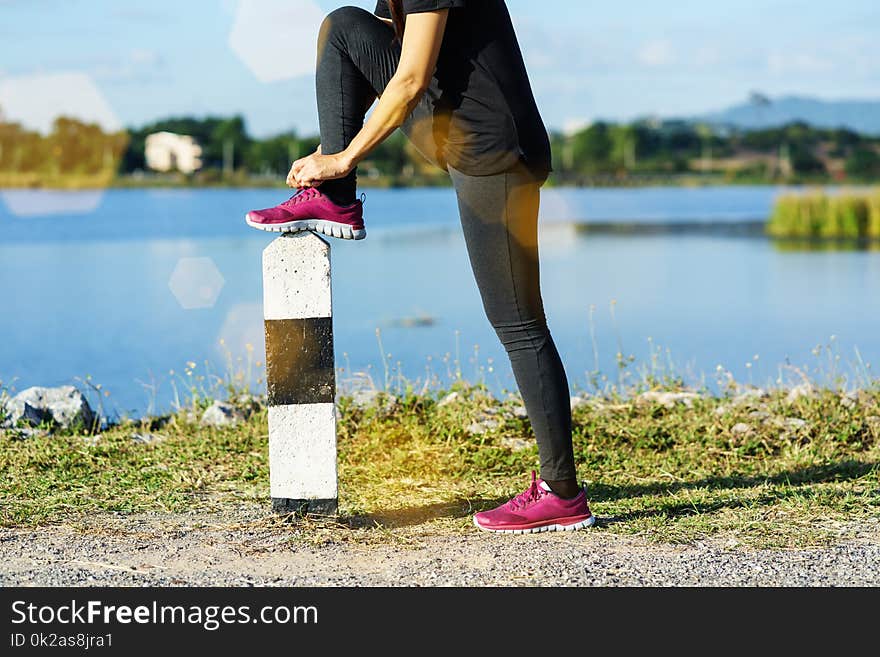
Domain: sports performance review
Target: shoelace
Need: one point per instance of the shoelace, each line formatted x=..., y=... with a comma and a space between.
x=305, y=193
x=532, y=493
x=301, y=194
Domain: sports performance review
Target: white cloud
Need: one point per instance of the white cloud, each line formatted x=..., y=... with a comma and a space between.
x=707, y=57
x=276, y=39
x=36, y=101
x=656, y=54
x=144, y=56
x=788, y=63
x=138, y=64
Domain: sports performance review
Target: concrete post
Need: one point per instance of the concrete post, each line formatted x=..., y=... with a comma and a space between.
x=300, y=374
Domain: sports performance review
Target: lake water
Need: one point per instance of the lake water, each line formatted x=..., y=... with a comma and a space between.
x=103, y=284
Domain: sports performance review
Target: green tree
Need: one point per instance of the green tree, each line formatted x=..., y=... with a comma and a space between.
x=624, y=146
x=229, y=139
x=864, y=162
x=591, y=149
x=273, y=155
x=803, y=159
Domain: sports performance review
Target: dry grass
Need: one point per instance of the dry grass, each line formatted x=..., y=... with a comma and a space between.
x=765, y=471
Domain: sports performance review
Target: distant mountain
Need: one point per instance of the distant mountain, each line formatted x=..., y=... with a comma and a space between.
x=860, y=115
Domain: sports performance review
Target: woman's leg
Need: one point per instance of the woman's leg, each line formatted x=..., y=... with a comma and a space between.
x=357, y=56
x=499, y=216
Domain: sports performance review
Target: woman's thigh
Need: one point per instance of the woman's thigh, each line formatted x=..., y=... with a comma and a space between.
x=499, y=217
x=353, y=41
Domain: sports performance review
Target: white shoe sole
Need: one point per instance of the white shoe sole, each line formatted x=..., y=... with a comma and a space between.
x=588, y=522
x=328, y=228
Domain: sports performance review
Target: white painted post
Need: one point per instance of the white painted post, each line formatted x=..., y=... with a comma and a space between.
x=300, y=374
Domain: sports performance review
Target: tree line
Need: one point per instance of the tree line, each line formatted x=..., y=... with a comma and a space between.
x=796, y=151
x=600, y=152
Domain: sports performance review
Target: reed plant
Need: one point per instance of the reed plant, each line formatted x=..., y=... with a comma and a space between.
x=874, y=215
x=846, y=215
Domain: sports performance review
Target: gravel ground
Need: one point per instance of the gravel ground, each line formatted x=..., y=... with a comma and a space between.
x=247, y=549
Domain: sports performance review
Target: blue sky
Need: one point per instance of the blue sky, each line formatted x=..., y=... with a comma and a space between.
x=588, y=60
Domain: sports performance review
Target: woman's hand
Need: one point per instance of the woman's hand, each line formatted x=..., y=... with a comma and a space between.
x=312, y=170
x=420, y=50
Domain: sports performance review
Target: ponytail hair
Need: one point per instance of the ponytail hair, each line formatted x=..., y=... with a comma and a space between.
x=396, y=8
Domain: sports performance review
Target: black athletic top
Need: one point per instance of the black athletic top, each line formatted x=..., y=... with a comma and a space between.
x=486, y=117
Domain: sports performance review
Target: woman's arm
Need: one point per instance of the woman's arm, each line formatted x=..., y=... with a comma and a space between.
x=418, y=59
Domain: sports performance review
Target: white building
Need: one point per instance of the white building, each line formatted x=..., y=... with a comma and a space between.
x=167, y=151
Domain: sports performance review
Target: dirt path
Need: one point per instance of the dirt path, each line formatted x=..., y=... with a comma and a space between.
x=248, y=548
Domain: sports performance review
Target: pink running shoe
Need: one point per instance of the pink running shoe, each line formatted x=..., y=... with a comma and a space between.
x=538, y=509
x=309, y=209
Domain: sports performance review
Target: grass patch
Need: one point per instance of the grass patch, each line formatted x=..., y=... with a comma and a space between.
x=847, y=215
x=763, y=471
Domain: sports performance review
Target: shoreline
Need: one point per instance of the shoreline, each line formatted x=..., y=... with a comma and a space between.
x=74, y=183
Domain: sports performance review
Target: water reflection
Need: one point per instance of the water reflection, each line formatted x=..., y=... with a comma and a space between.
x=90, y=294
x=807, y=245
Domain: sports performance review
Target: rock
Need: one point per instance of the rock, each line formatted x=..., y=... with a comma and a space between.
x=748, y=396
x=221, y=414
x=249, y=404
x=759, y=415
x=668, y=399
x=741, y=428
x=61, y=407
x=794, y=423
x=519, y=412
x=596, y=403
x=372, y=397
x=23, y=433
x=154, y=423
x=28, y=415
x=482, y=426
x=576, y=401
x=516, y=444
x=853, y=398
x=804, y=390
x=721, y=410
x=451, y=398
x=146, y=438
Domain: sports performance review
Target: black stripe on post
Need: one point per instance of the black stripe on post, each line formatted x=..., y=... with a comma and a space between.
x=299, y=361
x=304, y=507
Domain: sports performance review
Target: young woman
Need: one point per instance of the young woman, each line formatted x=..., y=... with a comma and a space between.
x=450, y=74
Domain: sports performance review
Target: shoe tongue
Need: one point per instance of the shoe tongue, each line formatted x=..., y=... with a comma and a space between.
x=543, y=484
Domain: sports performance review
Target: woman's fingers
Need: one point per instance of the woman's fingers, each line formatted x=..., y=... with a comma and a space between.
x=304, y=171
x=310, y=171
x=294, y=178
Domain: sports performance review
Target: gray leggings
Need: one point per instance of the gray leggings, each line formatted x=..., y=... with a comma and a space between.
x=499, y=216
